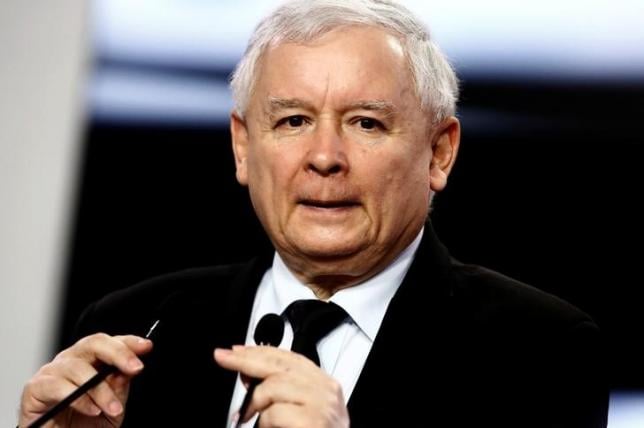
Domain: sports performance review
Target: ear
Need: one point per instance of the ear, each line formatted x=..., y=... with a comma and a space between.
x=445, y=141
x=239, y=136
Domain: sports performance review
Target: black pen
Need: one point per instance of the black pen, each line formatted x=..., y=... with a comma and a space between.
x=91, y=383
x=246, y=403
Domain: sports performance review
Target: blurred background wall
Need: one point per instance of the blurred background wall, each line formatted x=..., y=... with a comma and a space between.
x=547, y=186
x=42, y=57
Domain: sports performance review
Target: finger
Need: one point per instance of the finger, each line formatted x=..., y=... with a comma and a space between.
x=120, y=352
x=283, y=414
x=139, y=345
x=320, y=392
x=136, y=344
x=261, y=361
x=112, y=394
x=45, y=391
x=78, y=371
x=280, y=388
x=245, y=380
x=120, y=384
x=107, y=399
x=86, y=406
x=288, y=414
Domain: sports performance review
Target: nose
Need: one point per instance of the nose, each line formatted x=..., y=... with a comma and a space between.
x=327, y=155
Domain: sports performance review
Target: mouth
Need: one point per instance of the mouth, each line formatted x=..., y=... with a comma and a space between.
x=328, y=204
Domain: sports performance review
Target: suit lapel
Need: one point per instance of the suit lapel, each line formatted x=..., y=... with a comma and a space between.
x=238, y=303
x=233, y=318
x=216, y=316
x=420, y=301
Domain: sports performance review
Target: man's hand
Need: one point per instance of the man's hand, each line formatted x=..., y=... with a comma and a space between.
x=103, y=405
x=294, y=391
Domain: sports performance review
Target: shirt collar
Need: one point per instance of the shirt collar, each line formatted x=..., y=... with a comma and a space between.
x=366, y=303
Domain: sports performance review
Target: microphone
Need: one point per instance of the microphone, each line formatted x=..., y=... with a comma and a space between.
x=269, y=331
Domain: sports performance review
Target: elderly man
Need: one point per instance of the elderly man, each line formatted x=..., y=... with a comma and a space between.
x=343, y=130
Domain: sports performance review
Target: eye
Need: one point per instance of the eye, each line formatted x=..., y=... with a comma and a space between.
x=292, y=121
x=369, y=124
x=295, y=121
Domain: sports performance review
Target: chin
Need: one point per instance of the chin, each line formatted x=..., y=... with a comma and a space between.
x=320, y=249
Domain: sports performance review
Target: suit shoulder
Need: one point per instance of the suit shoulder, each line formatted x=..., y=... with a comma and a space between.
x=507, y=298
x=129, y=310
x=157, y=288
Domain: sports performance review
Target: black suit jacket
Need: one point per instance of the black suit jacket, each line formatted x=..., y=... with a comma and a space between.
x=459, y=346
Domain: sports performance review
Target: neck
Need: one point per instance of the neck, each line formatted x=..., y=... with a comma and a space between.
x=326, y=286
x=327, y=276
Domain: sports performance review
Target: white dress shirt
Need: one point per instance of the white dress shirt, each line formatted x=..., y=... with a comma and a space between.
x=344, y=351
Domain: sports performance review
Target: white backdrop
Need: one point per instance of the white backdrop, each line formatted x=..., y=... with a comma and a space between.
x=42, y=52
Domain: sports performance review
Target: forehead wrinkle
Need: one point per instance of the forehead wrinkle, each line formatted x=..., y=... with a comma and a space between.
x=326, y=88
x=276, y=103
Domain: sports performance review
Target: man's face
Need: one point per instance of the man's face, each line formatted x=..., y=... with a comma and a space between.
x=336, y=153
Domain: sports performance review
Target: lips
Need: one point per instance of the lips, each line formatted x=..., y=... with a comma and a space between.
x=329, y=204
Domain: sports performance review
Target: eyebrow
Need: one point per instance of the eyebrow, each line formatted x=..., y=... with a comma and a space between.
x=385, y=107
x=382, y=106
x=277, y=103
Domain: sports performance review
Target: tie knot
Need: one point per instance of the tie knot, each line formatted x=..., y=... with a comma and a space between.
x=312, y=320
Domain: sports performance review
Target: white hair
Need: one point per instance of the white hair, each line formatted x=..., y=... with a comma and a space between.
x=301, y=21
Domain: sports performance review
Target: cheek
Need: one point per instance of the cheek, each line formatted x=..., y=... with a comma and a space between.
x=403, y=168
x=271, y=170
x=260, y=159
x=402, y=182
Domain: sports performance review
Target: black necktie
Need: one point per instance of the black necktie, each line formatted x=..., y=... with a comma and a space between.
x=311, y=321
